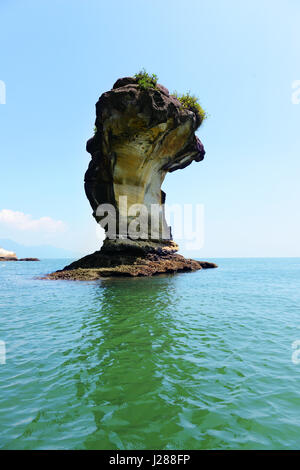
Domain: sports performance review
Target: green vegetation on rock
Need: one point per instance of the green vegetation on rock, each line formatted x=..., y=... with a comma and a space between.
x=145, y=80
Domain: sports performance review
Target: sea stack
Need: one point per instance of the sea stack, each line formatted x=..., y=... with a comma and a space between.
x=7, y=255
x=141, y=134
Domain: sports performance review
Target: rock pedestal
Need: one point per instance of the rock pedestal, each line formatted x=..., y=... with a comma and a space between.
x=140, y=135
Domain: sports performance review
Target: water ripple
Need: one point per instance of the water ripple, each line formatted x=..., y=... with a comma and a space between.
x=193, y=361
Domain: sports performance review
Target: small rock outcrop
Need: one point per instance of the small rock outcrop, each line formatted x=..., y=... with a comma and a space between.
x=11, y=256
x=7, y=255
x=28, y=259
x=141, y=134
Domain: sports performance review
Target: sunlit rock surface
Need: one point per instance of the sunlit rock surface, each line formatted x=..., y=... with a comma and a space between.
x=7, y=255
x=141, y=136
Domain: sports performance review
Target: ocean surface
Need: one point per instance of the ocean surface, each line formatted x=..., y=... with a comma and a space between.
x=189, y=361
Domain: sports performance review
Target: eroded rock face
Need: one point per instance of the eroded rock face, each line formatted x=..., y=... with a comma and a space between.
x=141, y=135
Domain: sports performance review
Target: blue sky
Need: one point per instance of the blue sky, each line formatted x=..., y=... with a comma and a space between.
x=239, y=58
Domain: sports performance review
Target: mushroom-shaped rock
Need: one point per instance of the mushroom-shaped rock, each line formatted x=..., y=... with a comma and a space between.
x=142, y=133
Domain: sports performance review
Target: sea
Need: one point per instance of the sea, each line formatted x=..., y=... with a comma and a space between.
x=202, y=360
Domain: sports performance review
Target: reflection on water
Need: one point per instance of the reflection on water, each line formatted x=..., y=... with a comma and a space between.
x=197, y=360
x=129, y=329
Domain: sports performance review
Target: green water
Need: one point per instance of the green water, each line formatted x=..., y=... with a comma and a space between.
x=192, y=361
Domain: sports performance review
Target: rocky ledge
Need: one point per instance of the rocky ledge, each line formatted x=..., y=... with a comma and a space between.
x=129, y=259
x=28, y=259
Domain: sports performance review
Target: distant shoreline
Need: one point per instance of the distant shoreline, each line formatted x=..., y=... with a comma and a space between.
x=16, y=259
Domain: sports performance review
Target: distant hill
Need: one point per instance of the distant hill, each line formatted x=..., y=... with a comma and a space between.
x=41, y=251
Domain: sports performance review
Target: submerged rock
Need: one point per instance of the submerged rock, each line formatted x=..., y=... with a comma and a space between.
x=99, y=265
x=141, y=134
x=28, y=259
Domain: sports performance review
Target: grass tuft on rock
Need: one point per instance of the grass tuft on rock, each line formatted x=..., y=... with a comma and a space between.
x=191, y=102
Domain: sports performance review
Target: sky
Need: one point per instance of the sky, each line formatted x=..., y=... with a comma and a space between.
x=240, y=58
